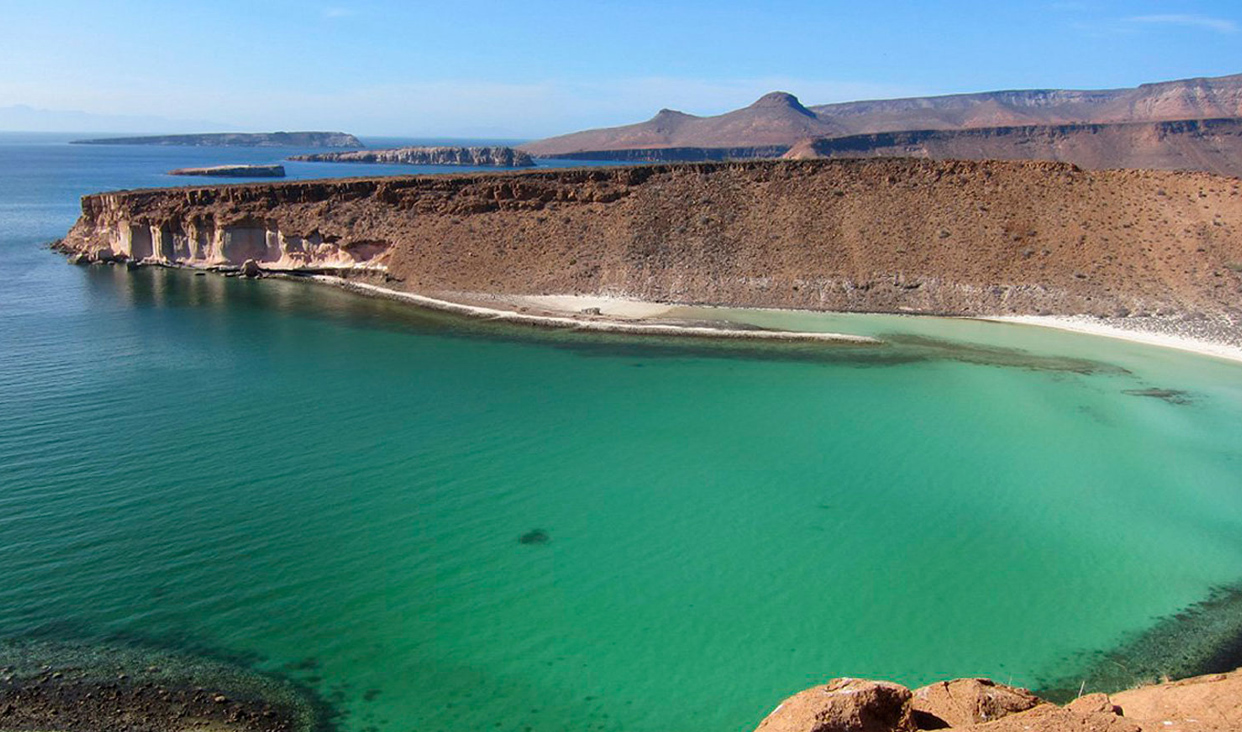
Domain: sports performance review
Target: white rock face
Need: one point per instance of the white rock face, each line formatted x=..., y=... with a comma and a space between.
x=108, y=235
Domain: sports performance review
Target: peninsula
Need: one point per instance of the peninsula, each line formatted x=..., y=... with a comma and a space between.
x=978, y=238
x=236, y=139
x=496, y=156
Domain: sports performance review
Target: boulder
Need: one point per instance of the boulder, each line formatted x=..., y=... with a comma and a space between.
x=250, y=268
x=844, y=705
x=967, y=701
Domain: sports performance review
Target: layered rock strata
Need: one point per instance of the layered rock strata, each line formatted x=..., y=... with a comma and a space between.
x=875, y=235
x=1213, y=145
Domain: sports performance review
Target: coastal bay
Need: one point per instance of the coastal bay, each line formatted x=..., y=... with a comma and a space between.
x=729, y=519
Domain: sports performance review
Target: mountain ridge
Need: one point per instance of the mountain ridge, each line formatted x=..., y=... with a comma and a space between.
x=779, y=118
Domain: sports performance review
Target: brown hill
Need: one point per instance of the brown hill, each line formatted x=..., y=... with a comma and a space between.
x=1202, y=98
x=774, y=119
x=901, y=235
x=779, y=119
x=1213, y=145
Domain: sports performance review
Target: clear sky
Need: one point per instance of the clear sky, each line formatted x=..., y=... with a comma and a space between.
x=536, y=67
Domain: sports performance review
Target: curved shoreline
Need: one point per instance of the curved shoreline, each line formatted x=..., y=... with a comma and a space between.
x=583, y=324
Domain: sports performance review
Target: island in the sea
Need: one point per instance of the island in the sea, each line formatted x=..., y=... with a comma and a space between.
x=237, y=139
x=234, y=171
x=494, y=157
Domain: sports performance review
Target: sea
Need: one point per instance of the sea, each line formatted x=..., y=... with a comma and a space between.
x=433, y=523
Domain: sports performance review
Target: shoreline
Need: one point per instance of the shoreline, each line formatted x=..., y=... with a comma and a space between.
x=611, y=314
x=610, y=324
x=1157, y=335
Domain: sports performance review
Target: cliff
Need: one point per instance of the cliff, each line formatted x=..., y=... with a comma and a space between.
x=680, y=154
x=889, y=235
x=237, y=139
x=1201, y=704
x=500, y=157
x=1214, y=145
x=780, y=120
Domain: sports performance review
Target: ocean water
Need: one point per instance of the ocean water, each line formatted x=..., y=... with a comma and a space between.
x=336, y=489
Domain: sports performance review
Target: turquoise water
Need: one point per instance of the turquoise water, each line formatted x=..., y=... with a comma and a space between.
x=335, y=488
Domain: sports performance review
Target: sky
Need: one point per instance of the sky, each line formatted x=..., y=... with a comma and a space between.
x=530, y=69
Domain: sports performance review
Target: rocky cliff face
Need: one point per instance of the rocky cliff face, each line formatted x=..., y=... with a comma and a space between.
x=863, y=235
x=500, y=157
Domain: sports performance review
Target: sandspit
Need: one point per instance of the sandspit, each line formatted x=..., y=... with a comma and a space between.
x=590, y=322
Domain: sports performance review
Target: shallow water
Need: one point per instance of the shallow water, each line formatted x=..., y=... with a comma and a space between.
x=337, y=488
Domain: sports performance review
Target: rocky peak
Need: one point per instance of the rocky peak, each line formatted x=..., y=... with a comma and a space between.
x=781, y=100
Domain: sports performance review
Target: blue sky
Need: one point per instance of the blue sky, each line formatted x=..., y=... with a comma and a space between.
x=536, y=68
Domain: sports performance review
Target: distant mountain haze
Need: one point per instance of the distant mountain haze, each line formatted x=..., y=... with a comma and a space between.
x=779, y=118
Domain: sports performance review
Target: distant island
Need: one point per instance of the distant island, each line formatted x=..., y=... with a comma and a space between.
x=237, y=139
x=234, y=171
x=497, y=156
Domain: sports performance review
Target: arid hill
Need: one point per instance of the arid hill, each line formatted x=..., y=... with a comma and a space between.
x=1214, y=145
x=890, y=235
x=774, y=119
x=1202, y=98
x=778, y=119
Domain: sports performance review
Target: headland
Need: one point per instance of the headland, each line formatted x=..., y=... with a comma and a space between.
x=962, y=238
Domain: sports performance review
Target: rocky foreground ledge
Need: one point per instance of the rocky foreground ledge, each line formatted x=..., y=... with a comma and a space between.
x=1202, y=704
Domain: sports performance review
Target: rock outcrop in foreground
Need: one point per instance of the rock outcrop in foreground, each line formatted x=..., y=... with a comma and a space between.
x=499, y=156
x=1202, y=704
x=905, y=235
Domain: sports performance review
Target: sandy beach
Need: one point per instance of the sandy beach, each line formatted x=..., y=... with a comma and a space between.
x=610, y=314
x=1204, y=338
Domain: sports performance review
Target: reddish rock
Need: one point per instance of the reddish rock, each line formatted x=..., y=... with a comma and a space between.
x=968, y=701
x=844, y=705
x=1201, y=704
x=1051, y=718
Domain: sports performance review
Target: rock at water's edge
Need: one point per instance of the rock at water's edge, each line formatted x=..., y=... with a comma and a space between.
x=844, y=705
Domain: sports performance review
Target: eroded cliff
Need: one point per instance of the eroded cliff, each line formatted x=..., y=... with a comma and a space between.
x=495, y=156
x=864, y=235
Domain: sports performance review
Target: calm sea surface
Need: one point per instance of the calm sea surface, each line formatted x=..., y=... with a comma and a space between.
x=335, y=488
